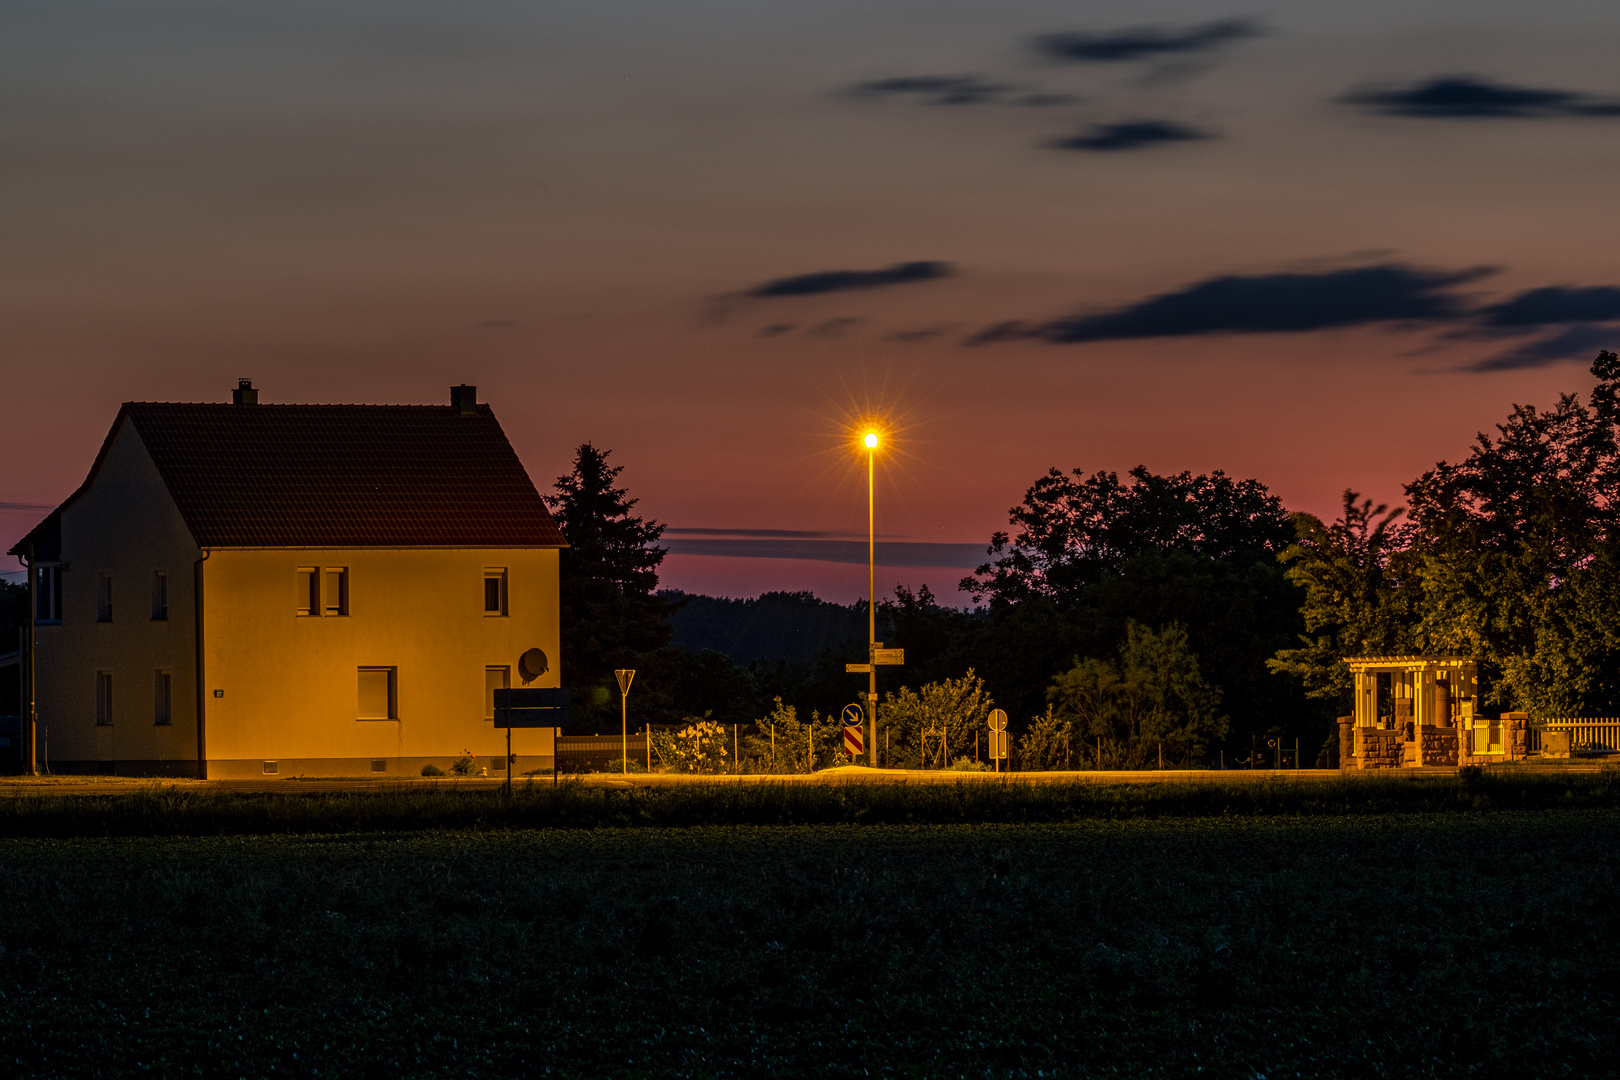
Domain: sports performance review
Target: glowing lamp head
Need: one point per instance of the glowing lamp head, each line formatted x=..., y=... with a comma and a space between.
x=870, y=440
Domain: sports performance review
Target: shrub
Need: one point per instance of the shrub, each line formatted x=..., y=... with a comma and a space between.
x=463, y=765
x=431, y=769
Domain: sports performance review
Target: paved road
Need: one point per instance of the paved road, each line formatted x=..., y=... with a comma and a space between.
x=849, y=774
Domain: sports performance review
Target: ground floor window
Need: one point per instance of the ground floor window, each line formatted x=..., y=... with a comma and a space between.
x=161, y=684
x=104, y=697
x=379, y=695
x=495, y=678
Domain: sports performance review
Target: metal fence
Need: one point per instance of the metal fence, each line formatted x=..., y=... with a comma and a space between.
x=592, y=753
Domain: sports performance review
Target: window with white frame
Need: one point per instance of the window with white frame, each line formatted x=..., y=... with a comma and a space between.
x=495, y=678
x=379, y=694
x=494, y=590
x=308, y=599
x=162, y=684
x=104, y=703
x=336, y=592
x=104, y=597
x=160, y=595
x=48, y=594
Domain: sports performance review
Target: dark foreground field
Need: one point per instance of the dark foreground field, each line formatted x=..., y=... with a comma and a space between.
x=1401, y=944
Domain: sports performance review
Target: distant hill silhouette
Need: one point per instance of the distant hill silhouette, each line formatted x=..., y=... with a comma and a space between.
x=774, y=626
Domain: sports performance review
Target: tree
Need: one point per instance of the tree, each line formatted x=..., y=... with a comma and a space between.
x=611, y=615
x=930, y=727
x=1360, y=594
x=1154, y=695
x=1072, y=530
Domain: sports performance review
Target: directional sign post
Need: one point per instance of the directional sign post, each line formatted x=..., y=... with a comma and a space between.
x=624, y=675
x=854, y=742
x=536, y=708
x=998, y=736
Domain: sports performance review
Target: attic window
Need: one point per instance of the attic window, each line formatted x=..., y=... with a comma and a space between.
x=337, y=591
x=309, y=591
x=495, y=591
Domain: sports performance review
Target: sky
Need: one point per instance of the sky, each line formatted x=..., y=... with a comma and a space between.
x=1317, y=244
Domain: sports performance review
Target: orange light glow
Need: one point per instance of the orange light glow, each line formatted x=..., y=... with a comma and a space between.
x=871, y=440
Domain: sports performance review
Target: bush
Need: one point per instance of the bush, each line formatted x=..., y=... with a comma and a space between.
x=431, y=769
x=967, y=764
x=463, y=765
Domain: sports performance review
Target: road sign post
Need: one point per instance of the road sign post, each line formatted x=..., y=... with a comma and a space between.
x=625, y=677
x=854, y=744
x=998, y=736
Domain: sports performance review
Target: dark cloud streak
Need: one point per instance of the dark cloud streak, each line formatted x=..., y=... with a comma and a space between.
x=1470, y=97
x=1141, y=42
x=828, y=281
x=1128, y=135
x=1577, y=342
x=1264, y=304
x=1555, y=304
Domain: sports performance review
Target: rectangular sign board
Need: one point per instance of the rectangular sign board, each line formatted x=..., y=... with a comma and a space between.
x=531, y=708
x=857, y=669
x=888, y=656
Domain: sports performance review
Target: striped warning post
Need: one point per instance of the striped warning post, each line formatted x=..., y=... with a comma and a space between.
x=854, y=742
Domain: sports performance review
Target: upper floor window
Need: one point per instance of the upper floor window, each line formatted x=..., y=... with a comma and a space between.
x=160, y=595
x=48, y=599
x=494, y=591
x=379, y=694
x=104, y=598
x=309, y=591
x=336, y=592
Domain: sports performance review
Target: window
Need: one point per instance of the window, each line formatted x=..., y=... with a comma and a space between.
x=103, y=697
x=49, y=583
x=495, y=591
x=309, y=591
x=104, y=598
x=161, y=684
x=160, y=595
x=377, y=694
x=337, y=591
x=495, y=678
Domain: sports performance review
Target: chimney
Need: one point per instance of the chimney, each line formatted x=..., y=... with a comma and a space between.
x=244, y=394
x=465, y=398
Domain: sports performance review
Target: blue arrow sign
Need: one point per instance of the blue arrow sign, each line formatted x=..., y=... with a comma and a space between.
x=852, y=716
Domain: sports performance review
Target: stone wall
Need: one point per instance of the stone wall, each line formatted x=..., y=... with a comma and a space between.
x=1516, y=735
x=1347, y=742
x=1379, y=748
x=1439, y=745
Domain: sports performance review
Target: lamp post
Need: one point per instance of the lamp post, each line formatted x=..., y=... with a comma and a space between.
x=871, y=441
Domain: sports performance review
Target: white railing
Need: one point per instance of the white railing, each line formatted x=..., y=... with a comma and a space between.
x=1605, y=731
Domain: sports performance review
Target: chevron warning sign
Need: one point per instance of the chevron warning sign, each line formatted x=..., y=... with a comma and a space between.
x=854, y=743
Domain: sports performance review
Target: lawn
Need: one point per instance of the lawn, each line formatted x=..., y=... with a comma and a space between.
x=1404, y=944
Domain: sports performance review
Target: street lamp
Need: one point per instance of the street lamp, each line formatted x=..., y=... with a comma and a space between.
x=871, y=441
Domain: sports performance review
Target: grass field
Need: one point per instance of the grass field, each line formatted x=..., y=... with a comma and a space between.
x=1416, y=943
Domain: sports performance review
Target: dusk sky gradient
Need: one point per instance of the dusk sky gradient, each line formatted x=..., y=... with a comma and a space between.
x=1319, y=244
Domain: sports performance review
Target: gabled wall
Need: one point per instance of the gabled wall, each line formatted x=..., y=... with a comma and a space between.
x=125, y=524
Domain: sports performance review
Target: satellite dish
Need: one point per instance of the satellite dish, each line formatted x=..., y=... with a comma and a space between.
x=532, y=665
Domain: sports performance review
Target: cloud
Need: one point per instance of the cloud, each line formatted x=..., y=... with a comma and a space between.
x=1578, y=342
x=826, y=281
x=958, y=90
x=1264, y=304
x=18, y=506
x=1129, y=135
x=936, y=89
x=834, y=328
x=1555, y=304
x=1142, y=42
x=1470, y=97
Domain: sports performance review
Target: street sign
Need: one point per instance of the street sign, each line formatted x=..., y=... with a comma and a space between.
x=888, y=656
x=531, y=708
x=624, y=675
x=854, y=742
x=998, y=745
x=857, y=669
x=852, y=715
x=998, y=719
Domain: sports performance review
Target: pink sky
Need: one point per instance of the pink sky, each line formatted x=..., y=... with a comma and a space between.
x=570, y=204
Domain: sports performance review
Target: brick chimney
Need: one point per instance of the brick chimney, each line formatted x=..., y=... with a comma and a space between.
x=244, y=394
x=465, y=398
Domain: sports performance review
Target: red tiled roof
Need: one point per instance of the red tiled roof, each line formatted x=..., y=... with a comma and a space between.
x=343, y=476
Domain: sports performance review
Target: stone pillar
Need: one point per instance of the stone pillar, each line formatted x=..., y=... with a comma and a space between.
x=1515, y=736
x=1347, y=742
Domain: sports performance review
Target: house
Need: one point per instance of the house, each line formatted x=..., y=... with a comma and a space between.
x=251, y=589
x=1416, y=711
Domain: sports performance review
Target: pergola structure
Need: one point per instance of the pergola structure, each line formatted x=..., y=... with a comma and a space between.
x=1412, y=711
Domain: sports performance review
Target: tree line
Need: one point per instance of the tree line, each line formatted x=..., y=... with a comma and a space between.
x=1121, y=615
